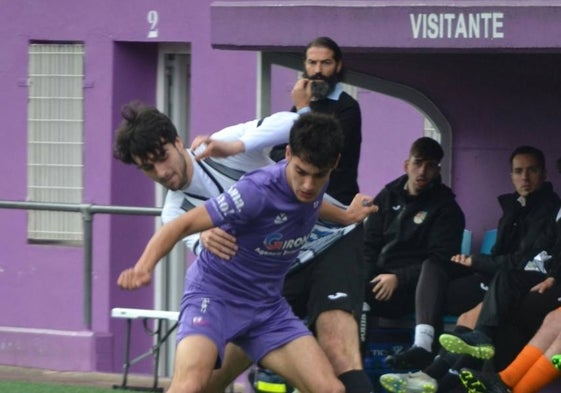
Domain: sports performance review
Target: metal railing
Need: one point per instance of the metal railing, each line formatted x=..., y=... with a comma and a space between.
x=87, y=211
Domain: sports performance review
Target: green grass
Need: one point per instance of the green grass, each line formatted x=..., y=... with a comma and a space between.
x=35, y=387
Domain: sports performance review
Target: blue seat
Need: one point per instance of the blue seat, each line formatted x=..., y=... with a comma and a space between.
x=488, y=242
x=466, y=242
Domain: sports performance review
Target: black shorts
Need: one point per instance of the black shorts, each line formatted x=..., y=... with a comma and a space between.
x=534, y=307
x=464, y=293
x=333, y=280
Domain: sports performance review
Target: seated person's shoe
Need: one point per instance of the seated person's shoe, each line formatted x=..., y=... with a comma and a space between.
x=556, y=360
x=479, y=382
x=418, y=382
x=414, y=358
x=267, y=381
x=474, y=343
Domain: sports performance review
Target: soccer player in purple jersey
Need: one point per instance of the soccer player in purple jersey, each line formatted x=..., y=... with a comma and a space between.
x=271, y=212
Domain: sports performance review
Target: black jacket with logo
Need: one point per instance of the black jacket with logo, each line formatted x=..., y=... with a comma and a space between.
x=408, y=230
x=522, y=231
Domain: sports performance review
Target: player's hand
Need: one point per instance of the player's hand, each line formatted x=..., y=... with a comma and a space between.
x=301, y=93
x=134, y=278
x=219, y=242
x=198, y=141
x=544, y=285
x=462, y=259
x=361, y=206
x=383, y=286
x=216, y=148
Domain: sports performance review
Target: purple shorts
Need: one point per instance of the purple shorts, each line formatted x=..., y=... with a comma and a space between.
x=256, y=328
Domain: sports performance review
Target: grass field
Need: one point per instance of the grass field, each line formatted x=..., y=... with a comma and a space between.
x=35, y=387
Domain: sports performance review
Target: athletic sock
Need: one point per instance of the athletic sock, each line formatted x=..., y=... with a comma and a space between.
x=424, y=336
x=520, y=365
x=356, y=381
x=538, y=376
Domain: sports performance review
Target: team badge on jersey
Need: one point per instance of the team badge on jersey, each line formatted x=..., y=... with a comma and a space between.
x=280, y=218
x=199, y=321
x=420, y=217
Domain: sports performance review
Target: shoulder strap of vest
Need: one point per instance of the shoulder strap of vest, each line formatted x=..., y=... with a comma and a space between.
x=208, y=166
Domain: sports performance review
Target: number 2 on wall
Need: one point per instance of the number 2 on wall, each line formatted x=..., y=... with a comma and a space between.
x=152, y=18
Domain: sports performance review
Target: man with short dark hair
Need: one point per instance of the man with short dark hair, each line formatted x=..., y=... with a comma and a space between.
x=530, y=270
x=419, y=226
x=532, y=369
x=271, y=212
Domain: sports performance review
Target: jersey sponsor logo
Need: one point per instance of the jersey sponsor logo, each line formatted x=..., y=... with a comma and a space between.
x=337, y=295
x=420, y=217
x=396, y=207
x=483, y=286
x=274, y=242
x=280, y=218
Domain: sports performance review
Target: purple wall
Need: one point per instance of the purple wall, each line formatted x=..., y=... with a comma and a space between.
x=134, y=76
x=389, y=127
x=41, y=286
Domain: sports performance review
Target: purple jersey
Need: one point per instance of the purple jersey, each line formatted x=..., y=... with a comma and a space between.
x=270, y=225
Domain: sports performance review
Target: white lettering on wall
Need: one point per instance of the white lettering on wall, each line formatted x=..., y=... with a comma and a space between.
x=480, y=25
x=152, y=18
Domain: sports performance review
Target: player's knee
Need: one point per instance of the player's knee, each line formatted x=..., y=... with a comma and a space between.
x=336, y=330
x=553, y=318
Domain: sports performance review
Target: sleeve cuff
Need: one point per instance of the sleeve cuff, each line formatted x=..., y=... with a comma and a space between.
x=198, y=248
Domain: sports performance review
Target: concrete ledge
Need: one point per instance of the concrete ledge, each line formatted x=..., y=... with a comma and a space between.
x=54, y=349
